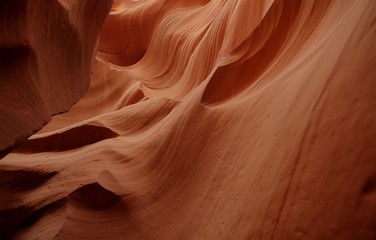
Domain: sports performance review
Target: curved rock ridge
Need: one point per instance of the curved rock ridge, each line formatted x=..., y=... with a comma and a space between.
x=227, y=119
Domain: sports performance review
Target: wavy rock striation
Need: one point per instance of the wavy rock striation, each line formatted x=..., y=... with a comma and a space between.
x=228, y=119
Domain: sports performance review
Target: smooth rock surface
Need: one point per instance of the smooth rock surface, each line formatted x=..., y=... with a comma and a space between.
x=46, y=54
x=227, y=119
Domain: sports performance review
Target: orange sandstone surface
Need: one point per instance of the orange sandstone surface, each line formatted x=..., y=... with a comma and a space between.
x=192, y=119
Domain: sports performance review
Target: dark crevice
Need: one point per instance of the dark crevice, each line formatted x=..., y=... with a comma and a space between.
x=93, y=196
x=23, y=180
x=70, y=139
x=11, y=221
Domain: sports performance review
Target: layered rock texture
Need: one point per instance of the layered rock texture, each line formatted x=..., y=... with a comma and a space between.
x=222, y=119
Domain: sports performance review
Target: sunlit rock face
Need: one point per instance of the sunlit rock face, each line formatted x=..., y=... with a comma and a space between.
x=226, y=119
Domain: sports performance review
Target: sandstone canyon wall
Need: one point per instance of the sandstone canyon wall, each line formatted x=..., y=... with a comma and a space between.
x=222, y=119
x=46, y=53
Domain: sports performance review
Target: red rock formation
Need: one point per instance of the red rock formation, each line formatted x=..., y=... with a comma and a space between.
x=220, y=119
x=46, y=53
